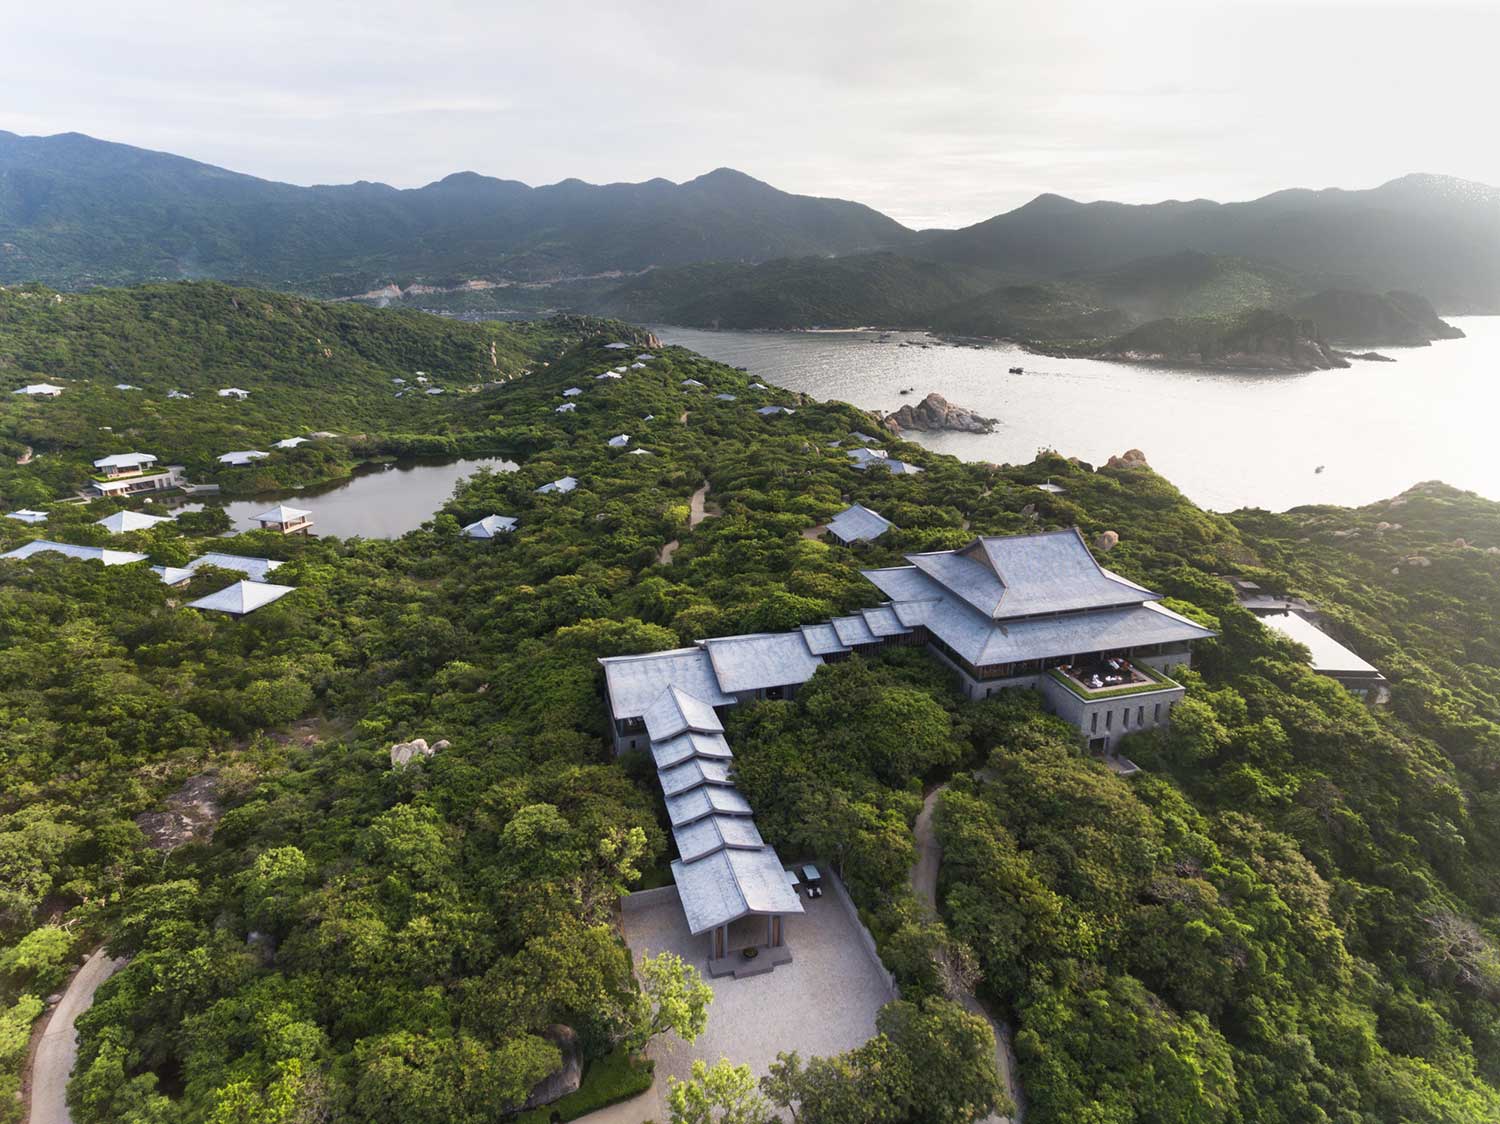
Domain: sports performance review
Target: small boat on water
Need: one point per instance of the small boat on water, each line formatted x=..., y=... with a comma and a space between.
x=1318, y=471
x=1018, y=370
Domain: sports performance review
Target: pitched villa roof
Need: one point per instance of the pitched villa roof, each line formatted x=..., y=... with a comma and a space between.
x=70, y=550
x=255, y=569
x=858, y=523
x=490, y=526
x=733, y=883
x=241, y=598
x=282, y=514
x=125, y=460
x=122, y=521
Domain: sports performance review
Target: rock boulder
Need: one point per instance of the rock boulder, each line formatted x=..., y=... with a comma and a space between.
x=1106, y=540
x=935, y=413
x=404, y=752
x=1130, y=458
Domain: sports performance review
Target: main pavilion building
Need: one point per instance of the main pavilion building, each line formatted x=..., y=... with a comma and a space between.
x=1023, y=611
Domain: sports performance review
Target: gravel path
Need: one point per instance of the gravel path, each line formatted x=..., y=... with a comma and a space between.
x=924, y=875
x=58, y=1049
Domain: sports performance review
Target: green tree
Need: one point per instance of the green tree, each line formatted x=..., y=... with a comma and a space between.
x=673, y=997
x=719, y=1094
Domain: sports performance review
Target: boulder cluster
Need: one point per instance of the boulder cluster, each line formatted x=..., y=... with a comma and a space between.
x=935, y=412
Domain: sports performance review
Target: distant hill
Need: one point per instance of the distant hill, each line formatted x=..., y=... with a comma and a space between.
x=77, y=211
x=1259, y=340
x=1429, y=234
x=1393, y=319
x=881, y=289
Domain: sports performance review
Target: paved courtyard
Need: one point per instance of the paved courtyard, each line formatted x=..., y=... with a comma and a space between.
x=824, y=1002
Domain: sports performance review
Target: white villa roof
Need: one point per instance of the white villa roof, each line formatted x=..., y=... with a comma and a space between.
x=618, y=346
x=730, y=884
x=242, y=456
x=567, y=407
x=726, y=397
x=858, y=523
x=609, y=375
x=124, y=460
x=254, y=568
x=122, y=521
x=282, y=514
x=619, y=441
x=241, y=598
x=233, y=392
x=88, y=553
x=1328, y=655
x=45, y=388
x=1055, y=489
x=901, y=468
x=690, y=382
x=640, y=453
x=863, y=457
x=769, y=411
x=635, y=682
x=706, y=800
x=172, y=575
x=26, y=515
x=573, y=392
x=490, y=526
x=178, y=394
x=674, y=712
x=566, y=484
x=290, y=442
x=638, y=366
x=751, y=663
x=693, y=772
x=714, y=833
x=686, y=746
x=126, y=386
x=645, y=355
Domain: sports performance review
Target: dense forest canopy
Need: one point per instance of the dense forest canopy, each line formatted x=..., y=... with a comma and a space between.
x=1292, y=915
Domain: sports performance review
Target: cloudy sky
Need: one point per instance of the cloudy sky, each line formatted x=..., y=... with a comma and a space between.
x=939, y=112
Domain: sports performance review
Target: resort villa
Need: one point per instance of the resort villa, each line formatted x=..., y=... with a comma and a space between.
x=858, y=523
x=122, y=521
x=241, y=457
x=125, y=474
x=1026, y=611
x=40, y=390
x=491, y=526
x=286, y=520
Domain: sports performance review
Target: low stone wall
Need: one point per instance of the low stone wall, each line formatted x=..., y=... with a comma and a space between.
x=866, y=940
x=648, y=899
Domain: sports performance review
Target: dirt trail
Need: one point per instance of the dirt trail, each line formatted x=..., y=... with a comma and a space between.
x=697, y=513
x=924, y=875
x=58, y=1049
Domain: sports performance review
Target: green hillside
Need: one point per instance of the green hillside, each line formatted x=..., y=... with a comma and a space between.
x=1288, y=916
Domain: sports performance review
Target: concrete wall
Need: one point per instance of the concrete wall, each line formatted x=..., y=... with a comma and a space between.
x=648, y=899
x=1117, y=716
x=867, y=941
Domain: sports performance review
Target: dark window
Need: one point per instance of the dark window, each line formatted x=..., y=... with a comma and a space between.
x=1156, y=714
x=1140, y=716
x=1094, y=722
x=1109, y=720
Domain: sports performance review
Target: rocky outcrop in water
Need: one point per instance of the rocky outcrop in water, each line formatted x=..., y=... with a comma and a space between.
x=936, y=413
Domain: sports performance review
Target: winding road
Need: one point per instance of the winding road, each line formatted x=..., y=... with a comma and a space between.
x=924, y=874
x=58, y=1048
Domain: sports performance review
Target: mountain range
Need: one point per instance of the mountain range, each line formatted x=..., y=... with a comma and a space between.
x=727, y=250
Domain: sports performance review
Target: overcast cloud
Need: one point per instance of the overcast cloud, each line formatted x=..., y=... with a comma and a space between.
x=938, y=113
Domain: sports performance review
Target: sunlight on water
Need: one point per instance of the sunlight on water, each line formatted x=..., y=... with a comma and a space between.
x=1227, y=440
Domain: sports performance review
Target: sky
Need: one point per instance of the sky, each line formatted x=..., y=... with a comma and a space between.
x=939, y=112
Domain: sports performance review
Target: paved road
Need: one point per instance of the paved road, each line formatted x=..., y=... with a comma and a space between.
x=924, y=874
x=58, y=1049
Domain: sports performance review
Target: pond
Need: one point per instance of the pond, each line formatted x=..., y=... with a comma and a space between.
x=380, y=501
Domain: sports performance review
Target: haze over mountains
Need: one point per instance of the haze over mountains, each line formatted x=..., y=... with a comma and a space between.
x=728, y=250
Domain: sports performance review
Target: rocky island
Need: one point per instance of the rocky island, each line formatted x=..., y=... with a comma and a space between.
x=1261, y=340
x=936, y=413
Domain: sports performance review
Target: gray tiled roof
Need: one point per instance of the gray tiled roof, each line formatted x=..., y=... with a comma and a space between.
x=675, y=712
x=684, y=747
x=708, y=799
x=635, y=682
x=752, y=663
x=822, y=640
x=858, y=523
x=691, y=773
x=883, y=622
x=853, y=630
x=714, y=833
x=732, y=883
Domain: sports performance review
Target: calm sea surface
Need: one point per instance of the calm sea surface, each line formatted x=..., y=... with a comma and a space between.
x=1227, y=440
x=381, y=502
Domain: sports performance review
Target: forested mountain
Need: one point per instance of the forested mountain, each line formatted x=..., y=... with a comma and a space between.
x=77, y=211
x=1290, y=916
x=1434, y=235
